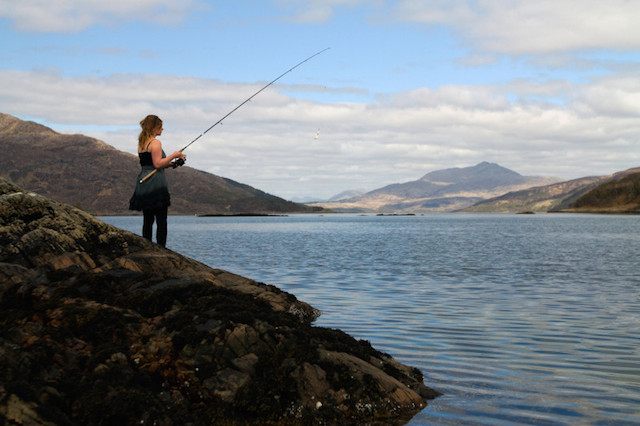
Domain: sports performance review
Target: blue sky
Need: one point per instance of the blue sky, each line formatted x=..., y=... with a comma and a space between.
x=407, y=87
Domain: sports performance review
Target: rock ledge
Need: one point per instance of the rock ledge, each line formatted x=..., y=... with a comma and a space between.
x=99, y=326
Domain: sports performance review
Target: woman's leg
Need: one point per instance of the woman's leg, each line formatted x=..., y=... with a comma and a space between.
x=161, y=233
x=147, y=224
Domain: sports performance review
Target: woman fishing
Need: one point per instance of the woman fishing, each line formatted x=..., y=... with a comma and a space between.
x=152, y=194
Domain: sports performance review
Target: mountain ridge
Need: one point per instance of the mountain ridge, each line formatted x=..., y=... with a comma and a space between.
x=91, y=174
x=441, y=190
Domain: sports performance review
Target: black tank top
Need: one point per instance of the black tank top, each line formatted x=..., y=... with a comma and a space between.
x=145, y=159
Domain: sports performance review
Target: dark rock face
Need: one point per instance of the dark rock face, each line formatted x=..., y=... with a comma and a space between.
x=99, y=326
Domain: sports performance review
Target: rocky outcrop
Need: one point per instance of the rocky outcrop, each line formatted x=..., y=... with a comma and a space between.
x=99, y=326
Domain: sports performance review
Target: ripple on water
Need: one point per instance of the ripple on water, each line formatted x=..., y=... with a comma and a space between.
x=518, y=319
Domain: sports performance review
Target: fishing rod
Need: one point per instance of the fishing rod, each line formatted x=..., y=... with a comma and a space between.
x=236, y=108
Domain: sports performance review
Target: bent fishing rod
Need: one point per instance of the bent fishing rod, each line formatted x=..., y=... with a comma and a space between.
x=181, y=162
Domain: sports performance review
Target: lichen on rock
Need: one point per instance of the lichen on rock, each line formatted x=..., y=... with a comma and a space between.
x=100, y=326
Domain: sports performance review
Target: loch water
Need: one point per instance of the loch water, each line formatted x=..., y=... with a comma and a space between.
x=516, y=319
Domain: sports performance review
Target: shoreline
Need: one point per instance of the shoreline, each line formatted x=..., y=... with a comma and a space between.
x=116, y=326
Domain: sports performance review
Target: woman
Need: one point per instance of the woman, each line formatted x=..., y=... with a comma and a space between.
x=152, y=195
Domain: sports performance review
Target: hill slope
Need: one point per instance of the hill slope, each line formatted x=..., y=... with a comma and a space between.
x=563, y=196
x=96, y=177
x=620, y=195
x=442, y=190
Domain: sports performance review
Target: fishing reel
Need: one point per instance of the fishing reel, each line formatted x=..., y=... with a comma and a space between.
x=178, y=162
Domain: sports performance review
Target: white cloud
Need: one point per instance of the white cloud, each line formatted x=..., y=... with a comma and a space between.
x=477, y=60
x=70, y=16
x=612, y=97
x=497, y=26
x=316, y=11
x=270, y=143
x=533, y=27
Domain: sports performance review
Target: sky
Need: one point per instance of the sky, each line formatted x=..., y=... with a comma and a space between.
x=405, y=88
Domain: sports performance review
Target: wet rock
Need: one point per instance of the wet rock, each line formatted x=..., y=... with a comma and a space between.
x=99, y=326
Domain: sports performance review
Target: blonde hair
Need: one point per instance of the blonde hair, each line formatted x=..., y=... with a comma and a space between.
x=149, y=125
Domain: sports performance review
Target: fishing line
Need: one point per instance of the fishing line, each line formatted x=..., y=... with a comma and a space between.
x=238, y=107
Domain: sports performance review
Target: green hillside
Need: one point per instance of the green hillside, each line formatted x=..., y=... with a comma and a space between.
x=614, y=196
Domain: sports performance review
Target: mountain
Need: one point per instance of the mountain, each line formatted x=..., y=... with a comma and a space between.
x=441, y=190
x=345, y=195
x=98, y=178
x=615, y=192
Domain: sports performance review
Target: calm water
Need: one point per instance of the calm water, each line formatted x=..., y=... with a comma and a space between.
x=517, y=319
